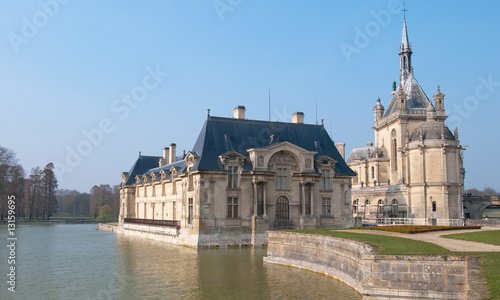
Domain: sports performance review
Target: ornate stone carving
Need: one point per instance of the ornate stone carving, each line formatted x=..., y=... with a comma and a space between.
x=260, y=161
x=282, y=158
x=308, y=163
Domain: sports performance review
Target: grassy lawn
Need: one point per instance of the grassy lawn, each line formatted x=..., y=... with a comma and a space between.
x=385, y=245
x=487, y=237
x=388, y=245
x=416, y=228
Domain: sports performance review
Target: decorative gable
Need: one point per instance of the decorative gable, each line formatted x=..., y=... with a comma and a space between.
x=284, y=153
x=232, y=157
x=325, y=161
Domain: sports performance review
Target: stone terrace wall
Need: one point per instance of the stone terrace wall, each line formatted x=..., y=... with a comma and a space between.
x=483, y=223
x=377, y=276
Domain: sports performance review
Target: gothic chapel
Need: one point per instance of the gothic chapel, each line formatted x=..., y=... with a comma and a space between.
x=414, y=173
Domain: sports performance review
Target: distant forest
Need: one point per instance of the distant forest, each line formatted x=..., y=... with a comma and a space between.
x=37, y=196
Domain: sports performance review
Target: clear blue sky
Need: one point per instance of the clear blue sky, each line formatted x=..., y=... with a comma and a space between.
x=65, y=67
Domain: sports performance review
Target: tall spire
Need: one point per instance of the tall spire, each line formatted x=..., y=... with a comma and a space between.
x=405, y=54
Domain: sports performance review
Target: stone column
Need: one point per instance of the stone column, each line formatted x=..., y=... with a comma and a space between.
x=254, y=216
x=312, y=198
x=264, y=186
x=303, y=199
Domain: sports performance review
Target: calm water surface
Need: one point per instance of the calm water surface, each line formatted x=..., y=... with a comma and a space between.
x=79, y=262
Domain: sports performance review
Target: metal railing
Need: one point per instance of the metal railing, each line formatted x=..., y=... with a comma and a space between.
x=166, y=223
x=283, y=224
x=412, y=221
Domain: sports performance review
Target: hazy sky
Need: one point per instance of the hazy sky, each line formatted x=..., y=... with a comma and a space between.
x=89, y=84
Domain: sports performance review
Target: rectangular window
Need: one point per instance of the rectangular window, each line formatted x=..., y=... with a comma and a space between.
x=232, y=177
x=281, y=179
x=190, y=181
x=232, y=207
x=260, y=199
x=145, y=212
x=326, y=207
x=190, y=211
x=325, y=179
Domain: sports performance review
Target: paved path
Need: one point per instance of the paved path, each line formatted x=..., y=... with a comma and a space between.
x=435, y=238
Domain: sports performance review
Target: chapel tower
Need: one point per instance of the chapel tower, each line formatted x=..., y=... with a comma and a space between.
x=415, y=169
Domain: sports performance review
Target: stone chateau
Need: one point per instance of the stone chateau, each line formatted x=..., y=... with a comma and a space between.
x=242, y=178
x=415, y=169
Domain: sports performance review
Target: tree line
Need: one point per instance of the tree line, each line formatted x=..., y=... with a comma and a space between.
x=37, y=196
x=101, y=198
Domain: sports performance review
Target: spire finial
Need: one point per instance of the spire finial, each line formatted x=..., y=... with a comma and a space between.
x=404, y=10
x=208, y=113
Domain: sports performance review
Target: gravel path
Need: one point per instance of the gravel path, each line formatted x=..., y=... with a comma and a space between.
x=436, y=238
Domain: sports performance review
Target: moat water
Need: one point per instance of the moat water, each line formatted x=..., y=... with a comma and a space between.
x=61, y=261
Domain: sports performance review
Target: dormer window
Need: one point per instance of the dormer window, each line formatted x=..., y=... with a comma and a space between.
x=325, y=179
x=232, y=177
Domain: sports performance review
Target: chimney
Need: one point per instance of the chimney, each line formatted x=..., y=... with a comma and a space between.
x=239, y=112
x=172, y=153
x=341, y=148
x=298, y=117
x=166, y=157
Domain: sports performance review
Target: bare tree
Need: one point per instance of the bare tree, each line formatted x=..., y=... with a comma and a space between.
x=9, y=169
x=49, y=191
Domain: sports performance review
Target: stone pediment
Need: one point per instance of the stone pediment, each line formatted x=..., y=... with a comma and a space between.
x=283, y=153
x=325, y=161
x=232, y=157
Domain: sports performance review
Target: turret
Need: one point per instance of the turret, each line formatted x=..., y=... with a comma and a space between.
x=439, y=100
x=378, y=111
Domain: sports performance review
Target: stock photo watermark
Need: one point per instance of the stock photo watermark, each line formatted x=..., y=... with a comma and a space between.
x=483, y=91
x=11, y=243
x=363, y=36
x=121, y=108
x=224, y=6
x=31, y=25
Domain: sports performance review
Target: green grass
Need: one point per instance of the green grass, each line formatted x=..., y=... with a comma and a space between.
x=415, y=228
x=386, y=245
x=488, y=237
x=491, y=269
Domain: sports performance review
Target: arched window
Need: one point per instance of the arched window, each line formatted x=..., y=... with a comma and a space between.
x=367, y=207
x=394, y=150
x=394, y=212
x=380, y=208
x=355, y=204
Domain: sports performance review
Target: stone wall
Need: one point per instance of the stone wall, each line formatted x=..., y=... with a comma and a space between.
x=112, y=227
x=378, y=276
x=208, y=237
x=483, y=223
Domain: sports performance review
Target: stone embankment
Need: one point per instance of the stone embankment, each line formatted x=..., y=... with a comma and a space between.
x=379, y=276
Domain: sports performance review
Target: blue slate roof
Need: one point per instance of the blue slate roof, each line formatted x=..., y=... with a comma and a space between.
x=222, y=135
x=141, y=166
